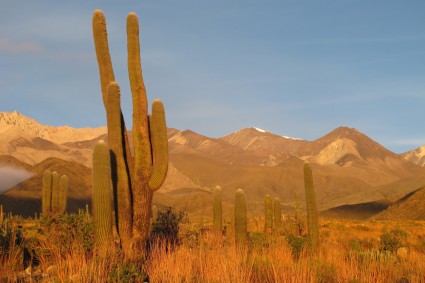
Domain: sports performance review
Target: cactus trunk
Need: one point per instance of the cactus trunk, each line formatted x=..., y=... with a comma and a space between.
x=277, y=213
x=102, y=195
x=268, y=215
x=312, y=222
x=46, y=198
x=63, y=191
x=240, y=218
x=55, y=193
x=134, y=177
x=217, y=210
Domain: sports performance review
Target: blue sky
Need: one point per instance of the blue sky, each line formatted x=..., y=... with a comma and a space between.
x=295, y=68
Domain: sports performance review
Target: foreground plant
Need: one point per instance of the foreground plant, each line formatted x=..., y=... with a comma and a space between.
x=134, y=177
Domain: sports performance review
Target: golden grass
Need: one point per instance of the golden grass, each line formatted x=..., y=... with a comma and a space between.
x=349, y=252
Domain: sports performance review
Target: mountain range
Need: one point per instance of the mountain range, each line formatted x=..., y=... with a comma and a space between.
x=350, y=169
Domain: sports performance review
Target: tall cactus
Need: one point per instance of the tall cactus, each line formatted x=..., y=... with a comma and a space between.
x=46, y=193
x=135, y=177
x=240, y=218
x=277, y=213
x=217, y=210
x=63, y=191
x=102, y=195
x=268, y=214
x=312, y=222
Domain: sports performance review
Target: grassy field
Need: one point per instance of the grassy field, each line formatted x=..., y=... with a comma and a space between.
x=63, y=250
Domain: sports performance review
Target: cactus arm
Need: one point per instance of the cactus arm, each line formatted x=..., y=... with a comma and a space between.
x=159, y=140
x=142, y=146
x=101, y=197
x=102, y=52
x=120, y=176
x=106, y=72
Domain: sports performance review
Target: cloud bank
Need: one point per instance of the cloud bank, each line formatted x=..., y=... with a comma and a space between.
x=11, y=176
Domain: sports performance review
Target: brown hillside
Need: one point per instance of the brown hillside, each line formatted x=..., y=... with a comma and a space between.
x=410, y=207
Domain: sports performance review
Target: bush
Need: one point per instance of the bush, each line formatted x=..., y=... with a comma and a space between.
x=126, y=272
x=297, y=244
x=63, y=230
x=391, y=241
x=165, y=227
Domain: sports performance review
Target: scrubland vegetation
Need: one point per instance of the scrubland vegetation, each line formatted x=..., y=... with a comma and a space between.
x=63, y=249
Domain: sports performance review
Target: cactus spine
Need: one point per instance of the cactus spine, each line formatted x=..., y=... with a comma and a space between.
x=268, y=214
x=217, y=210
x=135, y=177
x=312, y=223
x=240, y=218
x=102, y=191
x=277, y=213
x=46, y=194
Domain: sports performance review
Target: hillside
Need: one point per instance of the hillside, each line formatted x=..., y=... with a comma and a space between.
x=348, y=167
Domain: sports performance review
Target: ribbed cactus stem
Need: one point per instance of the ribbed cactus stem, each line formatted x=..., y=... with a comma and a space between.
x=268, y=214
x=102, y=195
x=217, y=210
x=312, y=222
x=63, y=193
x=46, y=193
x=277, y=213
x=240, y=218
x=55, y=192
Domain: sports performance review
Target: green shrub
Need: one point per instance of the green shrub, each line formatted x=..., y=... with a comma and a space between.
x=297, y=244
x=165, y=227
x=391, y=241
x=126, y=272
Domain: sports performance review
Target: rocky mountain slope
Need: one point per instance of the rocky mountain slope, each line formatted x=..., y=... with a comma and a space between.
x=416, y=156
x=348, y=167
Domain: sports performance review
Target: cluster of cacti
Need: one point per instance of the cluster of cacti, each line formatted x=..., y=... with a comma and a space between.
x=136, y=176
x=240, y=218
x=217, y=210
x=312, y=223
x=268, y=215
x=54, y=193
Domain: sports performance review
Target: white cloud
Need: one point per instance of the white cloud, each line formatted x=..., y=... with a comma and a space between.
x=11, y=176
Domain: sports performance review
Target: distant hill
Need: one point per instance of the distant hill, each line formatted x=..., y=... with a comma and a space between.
x=410, y=207
x=348, y=167
x=416, y=156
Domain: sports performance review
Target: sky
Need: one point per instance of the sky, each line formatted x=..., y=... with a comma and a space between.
x=293, y=67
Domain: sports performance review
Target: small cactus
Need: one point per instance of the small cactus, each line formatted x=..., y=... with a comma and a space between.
x=240, y=218
x=63, y=191
x=55, y=192
x=102, y=195
x=277, y=213
x=46, y=198
x=312, y=222
x=268, y=215
x=217, y=210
